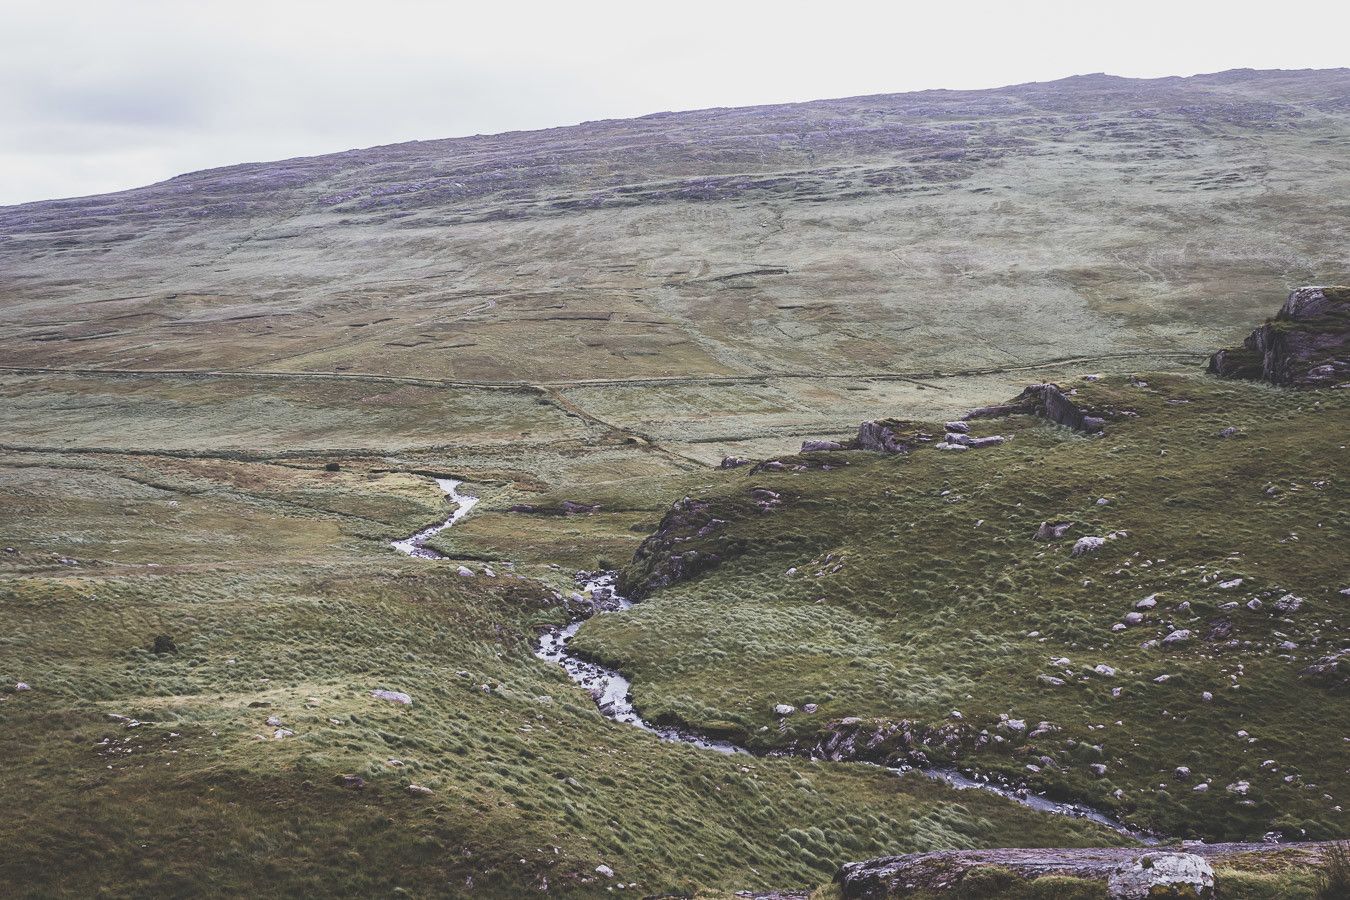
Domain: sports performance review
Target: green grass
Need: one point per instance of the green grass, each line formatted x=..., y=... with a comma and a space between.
x=277, y=587
x=935, y=598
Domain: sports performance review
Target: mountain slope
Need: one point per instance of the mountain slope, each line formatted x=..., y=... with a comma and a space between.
x=936, y=230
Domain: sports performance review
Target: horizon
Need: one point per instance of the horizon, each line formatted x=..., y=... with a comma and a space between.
x=136, y=97
x=663, y=112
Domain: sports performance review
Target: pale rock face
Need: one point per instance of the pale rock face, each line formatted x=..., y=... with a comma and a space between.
x=1156, y=875
x=398, y=697
x=1289, y=603
x=1088, y=545
x=784, y=709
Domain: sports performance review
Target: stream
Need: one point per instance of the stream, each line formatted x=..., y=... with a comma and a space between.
x=415, y=545
x=612, y=691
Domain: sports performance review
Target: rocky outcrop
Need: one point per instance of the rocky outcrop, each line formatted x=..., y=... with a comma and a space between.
x=1331, y=671
x=892, y=742
x=1048, y=401
x=686, y=543
x=891, y=436
x=734, y=462
x=1125, y=871
x=1304, y=346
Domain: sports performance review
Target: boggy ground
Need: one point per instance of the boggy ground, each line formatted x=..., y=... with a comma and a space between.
x=131, y=772
x=908, y=589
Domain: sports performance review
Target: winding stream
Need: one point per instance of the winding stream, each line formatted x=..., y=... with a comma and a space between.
x=612, y=691
x=415, y=545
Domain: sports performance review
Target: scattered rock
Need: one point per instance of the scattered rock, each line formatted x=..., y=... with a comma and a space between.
x=392, y=696
x=1052, y=531
x=1289, y=603
x=1228, y=432
x=1181, y=635
x=464, y=571
x=1134, y=618
x=1159, y=875
x=417, y=790
x=1254, y=604
x=1331, y=670
x=1229, y=585
x=1239, y=787
x=22, y=686
x=810, y=708
x=992, y=440
x=734, y=462
x=1182, y=773
x=1104, y=670
x=1148, y=602
x=274, y=721
x=1050, y=680
x=354, y=782
x=784, y=709
x=1089, y=544
x=818, y=446
x=957, y=427
x=605, y=871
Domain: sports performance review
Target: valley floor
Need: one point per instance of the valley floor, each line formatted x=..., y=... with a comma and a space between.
x=200, y=607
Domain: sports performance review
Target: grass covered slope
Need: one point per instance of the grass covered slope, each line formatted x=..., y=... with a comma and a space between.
x=937, y=230
x=899, y=589
x=210, y=769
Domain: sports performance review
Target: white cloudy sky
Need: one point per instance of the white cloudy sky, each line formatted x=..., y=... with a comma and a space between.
x=99, y=95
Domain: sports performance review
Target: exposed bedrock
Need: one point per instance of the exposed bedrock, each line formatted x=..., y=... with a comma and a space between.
x=1304, y=346
x=1049, y=401
x=1127, y=872
x=687, y=543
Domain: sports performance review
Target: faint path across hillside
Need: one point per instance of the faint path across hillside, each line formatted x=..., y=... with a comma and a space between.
x=544, y=387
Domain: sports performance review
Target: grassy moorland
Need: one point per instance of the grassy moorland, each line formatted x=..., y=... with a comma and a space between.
x=906, y=587
x=133, y=772
x=222, y=396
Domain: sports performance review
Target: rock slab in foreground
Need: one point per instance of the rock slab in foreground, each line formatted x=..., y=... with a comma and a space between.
x=901, y=876
x=1306, y=345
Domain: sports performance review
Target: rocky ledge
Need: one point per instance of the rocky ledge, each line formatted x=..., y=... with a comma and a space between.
x=1304, y=346
x=1048, y=401
x=1184, y=871
x=684, y=545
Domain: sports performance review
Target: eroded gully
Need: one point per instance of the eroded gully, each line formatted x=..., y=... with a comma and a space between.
x=612, y=691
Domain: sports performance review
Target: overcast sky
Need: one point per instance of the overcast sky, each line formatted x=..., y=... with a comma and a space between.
x=100, y=95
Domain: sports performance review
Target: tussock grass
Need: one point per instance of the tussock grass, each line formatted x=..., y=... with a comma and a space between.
x=943, y=601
